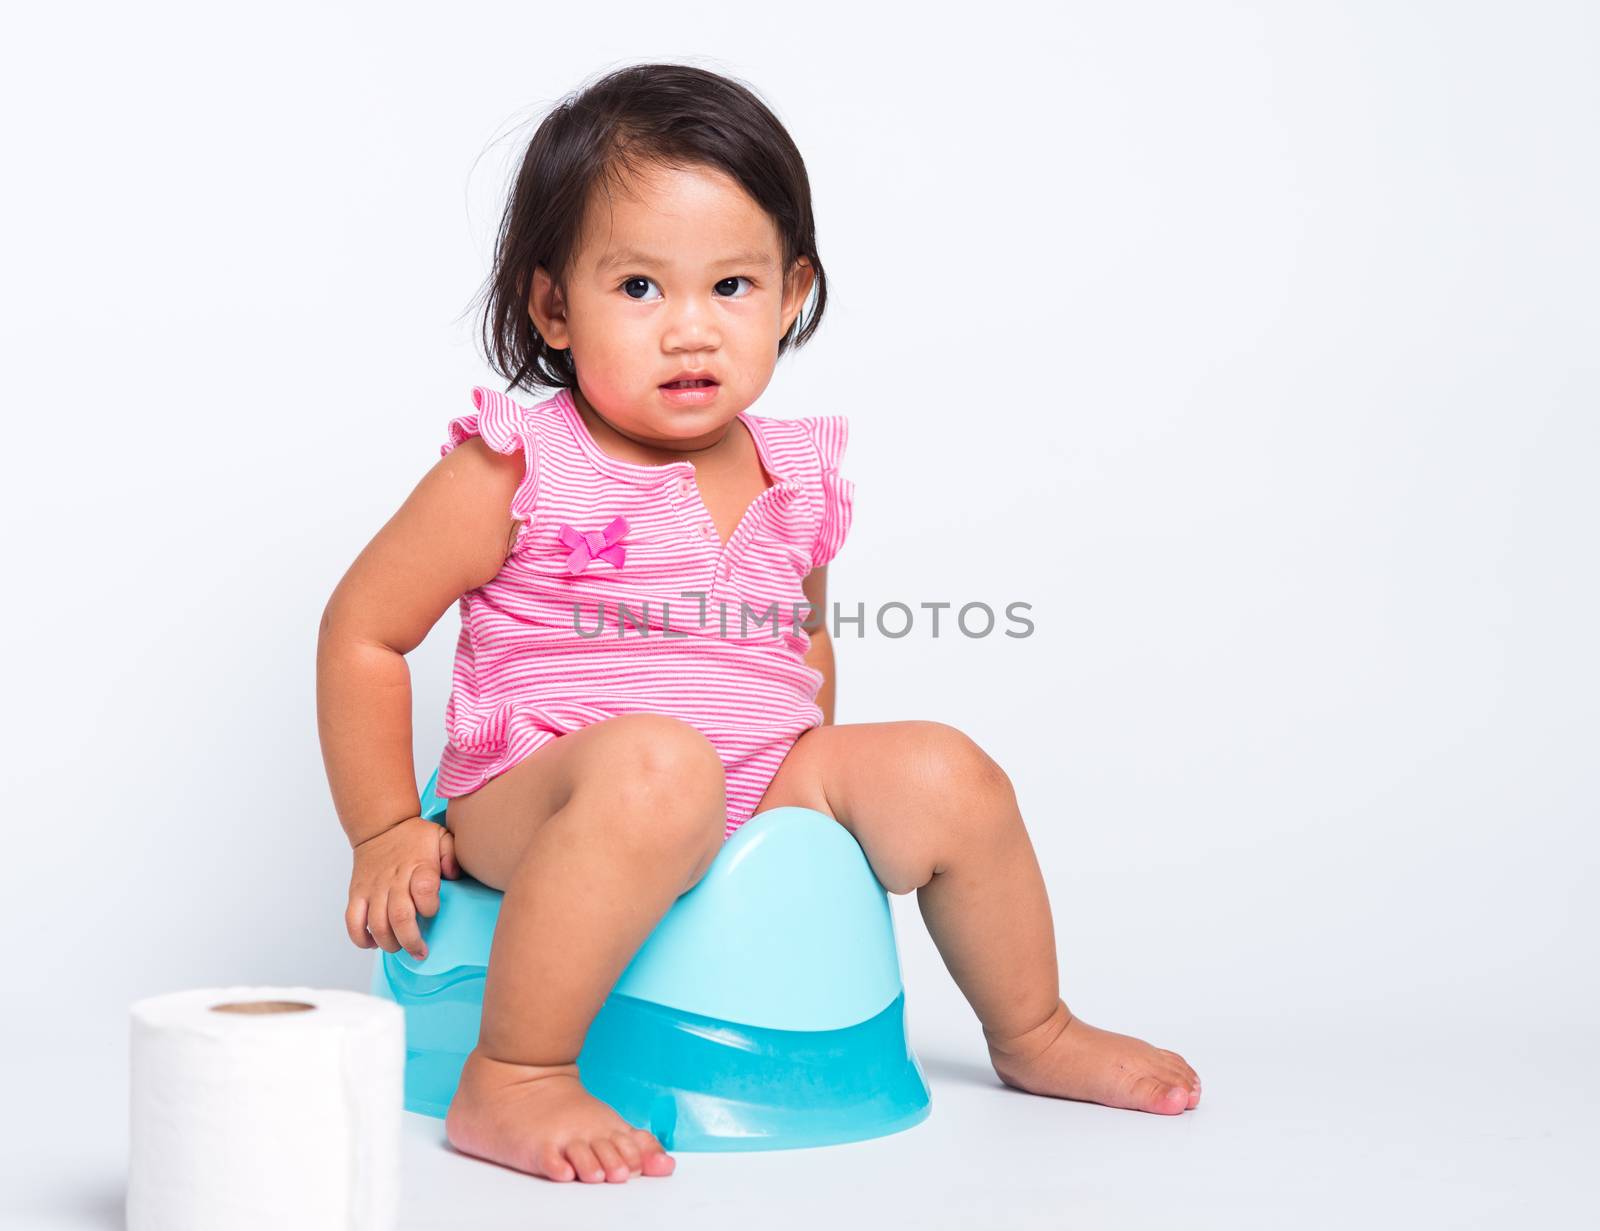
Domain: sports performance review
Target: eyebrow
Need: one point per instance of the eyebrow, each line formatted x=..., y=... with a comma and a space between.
x=630, y=256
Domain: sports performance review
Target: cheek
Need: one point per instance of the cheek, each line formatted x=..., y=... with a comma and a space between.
x=755, y=329
x=605, y=382
x=606, y=347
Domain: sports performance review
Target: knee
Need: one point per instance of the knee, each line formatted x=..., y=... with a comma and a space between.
x=948, y=763
x=967, y=798
x=960, y=796
x=661, y=782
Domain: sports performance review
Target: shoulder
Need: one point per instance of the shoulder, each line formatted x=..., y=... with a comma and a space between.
x=828, y=434
x=493, y=454
x=807, y=451
x=505, y=425
x=477, y=457
x=808, y=444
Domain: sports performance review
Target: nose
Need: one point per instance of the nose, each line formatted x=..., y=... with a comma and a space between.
x=690, y=326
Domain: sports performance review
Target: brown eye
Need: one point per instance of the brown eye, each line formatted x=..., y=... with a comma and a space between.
x=641, y=282
x=733, y=282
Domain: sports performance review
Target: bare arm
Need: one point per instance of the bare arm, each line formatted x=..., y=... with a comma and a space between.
x=451, y=535
x=820, y=655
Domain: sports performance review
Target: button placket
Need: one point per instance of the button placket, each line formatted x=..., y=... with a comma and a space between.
x=682, y=491
x=684, y=495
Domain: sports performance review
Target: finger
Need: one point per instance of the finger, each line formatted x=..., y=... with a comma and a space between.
x=355, y=923
x=425, y=889
x=403, y=918
x=378, y=923
x=447, y=856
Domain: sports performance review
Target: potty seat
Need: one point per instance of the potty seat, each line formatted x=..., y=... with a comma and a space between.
x=764, y=1012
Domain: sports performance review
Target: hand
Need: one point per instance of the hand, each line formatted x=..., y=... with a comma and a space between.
x=396, y=877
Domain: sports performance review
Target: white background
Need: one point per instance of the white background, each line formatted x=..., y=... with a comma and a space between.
x=1253, y=344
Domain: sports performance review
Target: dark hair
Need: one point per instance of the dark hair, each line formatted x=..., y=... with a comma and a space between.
x=630, y=119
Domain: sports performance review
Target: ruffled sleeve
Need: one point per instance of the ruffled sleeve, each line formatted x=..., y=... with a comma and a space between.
x=506, y=428
x=834, y=495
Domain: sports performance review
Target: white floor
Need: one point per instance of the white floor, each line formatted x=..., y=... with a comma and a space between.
x=1364, y=1125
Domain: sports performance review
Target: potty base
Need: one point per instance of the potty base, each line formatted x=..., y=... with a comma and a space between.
x=698, y=1083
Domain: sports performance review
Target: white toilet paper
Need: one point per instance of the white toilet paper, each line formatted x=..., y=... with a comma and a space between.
x=281, y=1110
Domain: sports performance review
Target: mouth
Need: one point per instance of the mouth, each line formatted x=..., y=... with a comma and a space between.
x=698, y=383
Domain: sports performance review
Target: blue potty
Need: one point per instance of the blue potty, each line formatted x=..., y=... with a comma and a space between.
x=764, y=1012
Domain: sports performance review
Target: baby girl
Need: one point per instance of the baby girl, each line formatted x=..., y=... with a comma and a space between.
x=615, y=712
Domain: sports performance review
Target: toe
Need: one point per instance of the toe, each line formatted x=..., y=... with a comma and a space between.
x=1158, y=1095
x=606, y=1151
x=1182, y=1065
x=585, y=1163
x=628, y=1146
x=654, y=1158
x=551, y=1162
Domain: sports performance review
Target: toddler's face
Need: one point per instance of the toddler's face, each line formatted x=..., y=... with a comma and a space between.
x=679, y=271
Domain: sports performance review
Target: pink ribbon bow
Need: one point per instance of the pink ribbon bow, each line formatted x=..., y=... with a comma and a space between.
x=588, y=546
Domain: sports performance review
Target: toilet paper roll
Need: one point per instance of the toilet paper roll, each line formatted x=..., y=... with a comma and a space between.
x=258, y=1107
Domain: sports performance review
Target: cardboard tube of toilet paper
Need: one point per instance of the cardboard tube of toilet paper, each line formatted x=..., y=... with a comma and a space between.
x=265, y=1107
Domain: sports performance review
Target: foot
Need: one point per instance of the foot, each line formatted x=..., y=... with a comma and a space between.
x=1067, y=1058
x=541, y=1120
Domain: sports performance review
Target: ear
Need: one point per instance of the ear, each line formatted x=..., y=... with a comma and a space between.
x=796, y=287
x=547, y=306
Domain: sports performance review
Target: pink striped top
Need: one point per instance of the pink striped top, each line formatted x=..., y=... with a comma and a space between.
x=658, y=593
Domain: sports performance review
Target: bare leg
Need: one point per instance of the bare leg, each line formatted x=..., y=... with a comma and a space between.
x=934, y=813
x=592, y=838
